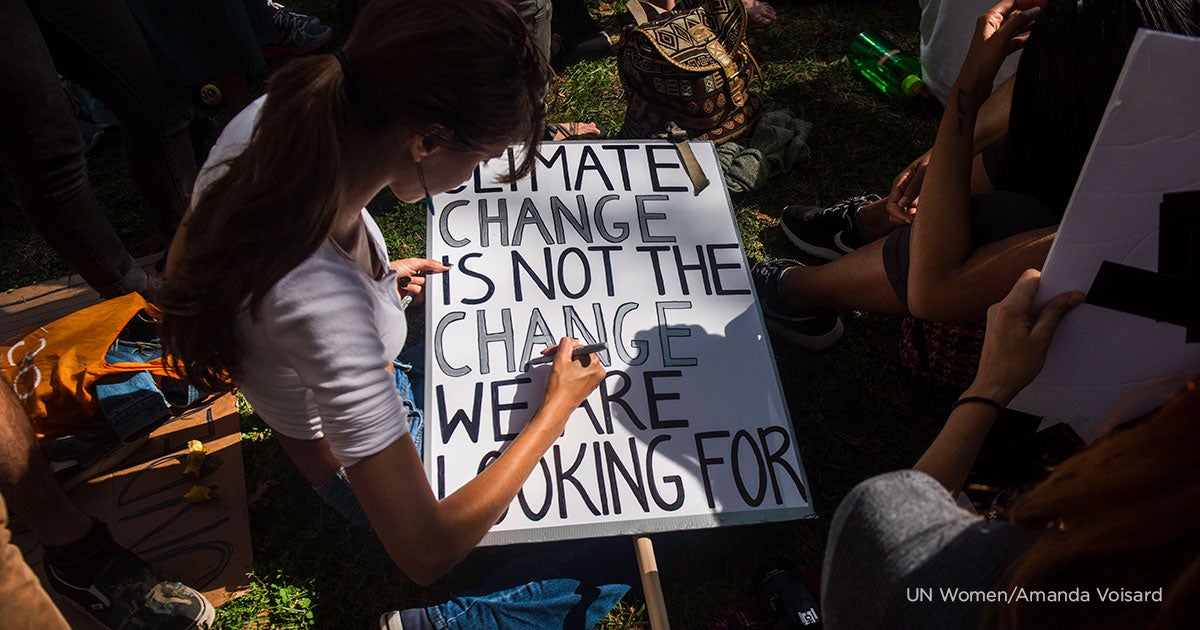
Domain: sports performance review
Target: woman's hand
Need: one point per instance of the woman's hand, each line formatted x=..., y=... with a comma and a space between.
x=571, y=380
x=410, y=275
x=1000, y=32
x=902, y=200
x=1014, y=348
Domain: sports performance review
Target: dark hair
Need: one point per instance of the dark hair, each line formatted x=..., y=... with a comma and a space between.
x=1121, y=514
x=464, y=73
x=1066, y=75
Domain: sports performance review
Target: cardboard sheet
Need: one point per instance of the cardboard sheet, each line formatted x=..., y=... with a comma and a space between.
x=1129, y=359
x=204, y=545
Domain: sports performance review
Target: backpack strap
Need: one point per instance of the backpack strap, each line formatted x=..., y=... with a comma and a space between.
x=691, y=166
x=644, y=12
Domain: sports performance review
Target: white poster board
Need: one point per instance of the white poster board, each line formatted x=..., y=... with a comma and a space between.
x=605, y=242
x=1106, y=365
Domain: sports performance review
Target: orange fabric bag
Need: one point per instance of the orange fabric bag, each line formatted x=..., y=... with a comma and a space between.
x=53, y=369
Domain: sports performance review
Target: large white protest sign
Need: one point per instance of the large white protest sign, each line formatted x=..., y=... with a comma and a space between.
x=606, y=242
x=1128, y=238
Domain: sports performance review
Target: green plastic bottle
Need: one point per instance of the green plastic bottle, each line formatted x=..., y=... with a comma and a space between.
x=893, y=72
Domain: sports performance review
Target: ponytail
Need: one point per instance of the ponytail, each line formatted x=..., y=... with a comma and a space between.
x=463, y=73
x=268, y=211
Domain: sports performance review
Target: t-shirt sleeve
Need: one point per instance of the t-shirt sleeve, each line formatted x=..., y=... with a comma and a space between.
x=901, y=531
x=323, y=324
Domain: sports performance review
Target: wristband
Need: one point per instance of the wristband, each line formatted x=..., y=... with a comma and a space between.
x=977, y=399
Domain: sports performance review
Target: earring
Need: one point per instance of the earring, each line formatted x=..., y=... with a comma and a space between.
x=428, y=197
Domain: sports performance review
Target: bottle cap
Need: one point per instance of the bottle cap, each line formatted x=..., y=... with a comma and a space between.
x=914, y=86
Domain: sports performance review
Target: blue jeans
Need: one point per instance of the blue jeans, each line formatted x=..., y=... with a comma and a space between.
x=553, y=603
x=542, y=588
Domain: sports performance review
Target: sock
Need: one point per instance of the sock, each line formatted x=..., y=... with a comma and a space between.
x=80, y=561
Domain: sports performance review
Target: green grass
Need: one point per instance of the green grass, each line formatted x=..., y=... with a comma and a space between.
x=269, y=604
x=856, y=412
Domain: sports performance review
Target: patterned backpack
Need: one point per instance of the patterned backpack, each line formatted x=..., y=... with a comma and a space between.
x=690, y=66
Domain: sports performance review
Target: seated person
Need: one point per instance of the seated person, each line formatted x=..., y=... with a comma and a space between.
x=962, y=223
x=279, y=279
x=84, y=565
x=1117, y=518
x=946, y=29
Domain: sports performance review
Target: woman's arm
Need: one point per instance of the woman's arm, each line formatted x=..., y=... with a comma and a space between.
x=1014, y=351
x=992, y=122
x=427, y=537
x=941, y=238
x=991, y=125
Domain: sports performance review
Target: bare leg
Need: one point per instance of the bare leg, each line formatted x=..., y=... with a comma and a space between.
x=875, y=220
x=28, y=485
x=858, y=281
x=855, y=281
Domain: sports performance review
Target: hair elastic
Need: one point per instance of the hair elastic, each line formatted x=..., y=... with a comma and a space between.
x=428, y=197
x=372, y=117
x=343, y=62
x=977, y=399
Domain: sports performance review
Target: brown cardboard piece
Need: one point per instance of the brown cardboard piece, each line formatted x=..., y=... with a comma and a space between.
x=204, y=545
x=24, y=309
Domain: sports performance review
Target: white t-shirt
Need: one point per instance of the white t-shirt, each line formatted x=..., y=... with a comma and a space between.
x=947, y=27
x=316, y=363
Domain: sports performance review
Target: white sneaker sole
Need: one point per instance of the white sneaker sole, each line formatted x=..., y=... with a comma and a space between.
x=808, y=342
x=809, y=248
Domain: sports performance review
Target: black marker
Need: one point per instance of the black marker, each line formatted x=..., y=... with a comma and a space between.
x=581, y=351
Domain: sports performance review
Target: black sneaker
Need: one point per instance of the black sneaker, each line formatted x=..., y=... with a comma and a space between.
x=810, y=328
x=128, y=594
x=826, y=233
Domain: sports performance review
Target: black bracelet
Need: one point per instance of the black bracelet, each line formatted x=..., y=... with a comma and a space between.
x=977, y=399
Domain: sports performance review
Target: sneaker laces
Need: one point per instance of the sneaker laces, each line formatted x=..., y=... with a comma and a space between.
x=288, y=20
x=852, y=204
x=845, y=212
x=768, y=278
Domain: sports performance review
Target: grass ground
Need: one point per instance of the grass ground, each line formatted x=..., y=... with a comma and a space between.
x=856, y=412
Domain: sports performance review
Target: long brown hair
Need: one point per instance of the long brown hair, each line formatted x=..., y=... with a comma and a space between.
x=1064, y=80
x=464, y=73
x=1124, y=514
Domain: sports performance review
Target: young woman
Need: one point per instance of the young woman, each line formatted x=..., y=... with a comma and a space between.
x=991, y=191
x=280, y=282
x=1109, y=540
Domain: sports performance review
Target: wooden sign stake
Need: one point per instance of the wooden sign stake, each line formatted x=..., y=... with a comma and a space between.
x=651, y=585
